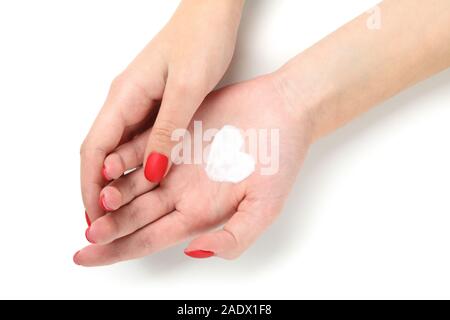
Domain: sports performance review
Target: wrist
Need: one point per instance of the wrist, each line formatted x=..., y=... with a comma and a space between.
x=211, y=17
x=228, y=8
x=305, y=92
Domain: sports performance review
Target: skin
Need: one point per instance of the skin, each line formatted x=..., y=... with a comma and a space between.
x=188, y=203
x=321, y=89
x=163, y=85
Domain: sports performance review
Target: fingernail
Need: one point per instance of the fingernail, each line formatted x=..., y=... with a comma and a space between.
x=104, y=174
x=87, y=235
x=74, y=258
x=102, y=203
x=88, y=221
x=155, y=167
x=199, y=254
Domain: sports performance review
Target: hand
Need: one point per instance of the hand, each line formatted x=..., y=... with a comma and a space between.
x=176, y=70
x=145, y=219
x=316, y=92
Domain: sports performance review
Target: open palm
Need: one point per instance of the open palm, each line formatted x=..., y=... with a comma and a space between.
x=144, y=218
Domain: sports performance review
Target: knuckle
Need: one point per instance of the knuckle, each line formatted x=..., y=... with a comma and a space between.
x=163, y=130
x=118, y=158
x=119, y=83
x=238, y=246
x=87, y=148
x=161, y=199
x=132, y=189
x=111, y=226
x=138, y=150
x=132, y=216
x=146, y=242
x=126, y=83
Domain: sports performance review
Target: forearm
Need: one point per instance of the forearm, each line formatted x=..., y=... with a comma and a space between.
x=226, y=12
x=356, y=68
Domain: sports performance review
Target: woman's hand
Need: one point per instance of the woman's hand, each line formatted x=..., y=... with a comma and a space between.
x=312, y=95
x=145, y=219
x=176, y=70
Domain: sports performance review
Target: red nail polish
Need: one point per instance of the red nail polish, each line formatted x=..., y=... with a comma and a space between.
x=102, y=203
x=104, y=174
x=155, y=167
x=74, y=256
x=87, y=235
x=88, y=221
x=199, y=254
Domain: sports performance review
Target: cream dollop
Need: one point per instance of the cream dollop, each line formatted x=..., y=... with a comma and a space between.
x=226, y=160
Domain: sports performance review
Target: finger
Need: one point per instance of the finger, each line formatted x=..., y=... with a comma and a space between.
x=127, y=156
x=157, y=236
x=180, y=101
x=237, y=235
x=125, y=105
x=123, y=190
x=142, y=211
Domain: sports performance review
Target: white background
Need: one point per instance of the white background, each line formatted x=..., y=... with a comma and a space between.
x=368, y=218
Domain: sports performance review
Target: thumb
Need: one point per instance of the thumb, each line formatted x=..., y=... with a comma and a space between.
x=179, y=103
x=238, y=234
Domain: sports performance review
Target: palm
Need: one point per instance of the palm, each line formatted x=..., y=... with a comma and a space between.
x=196, y=204
x=209, y=202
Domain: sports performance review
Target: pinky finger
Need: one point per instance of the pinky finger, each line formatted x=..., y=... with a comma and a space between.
x=161, y=234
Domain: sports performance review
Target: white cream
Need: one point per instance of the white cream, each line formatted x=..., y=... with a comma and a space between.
x=226, y=160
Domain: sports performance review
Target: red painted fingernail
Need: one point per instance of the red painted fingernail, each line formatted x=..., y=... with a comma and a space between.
x=88, y=221
x=155, y=167
x=103, y=204
x=104, y=174
x=199, y=254
x=74, y=258
x=87, y=235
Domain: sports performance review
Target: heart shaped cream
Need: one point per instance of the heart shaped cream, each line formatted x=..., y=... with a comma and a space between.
x=226, y=162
